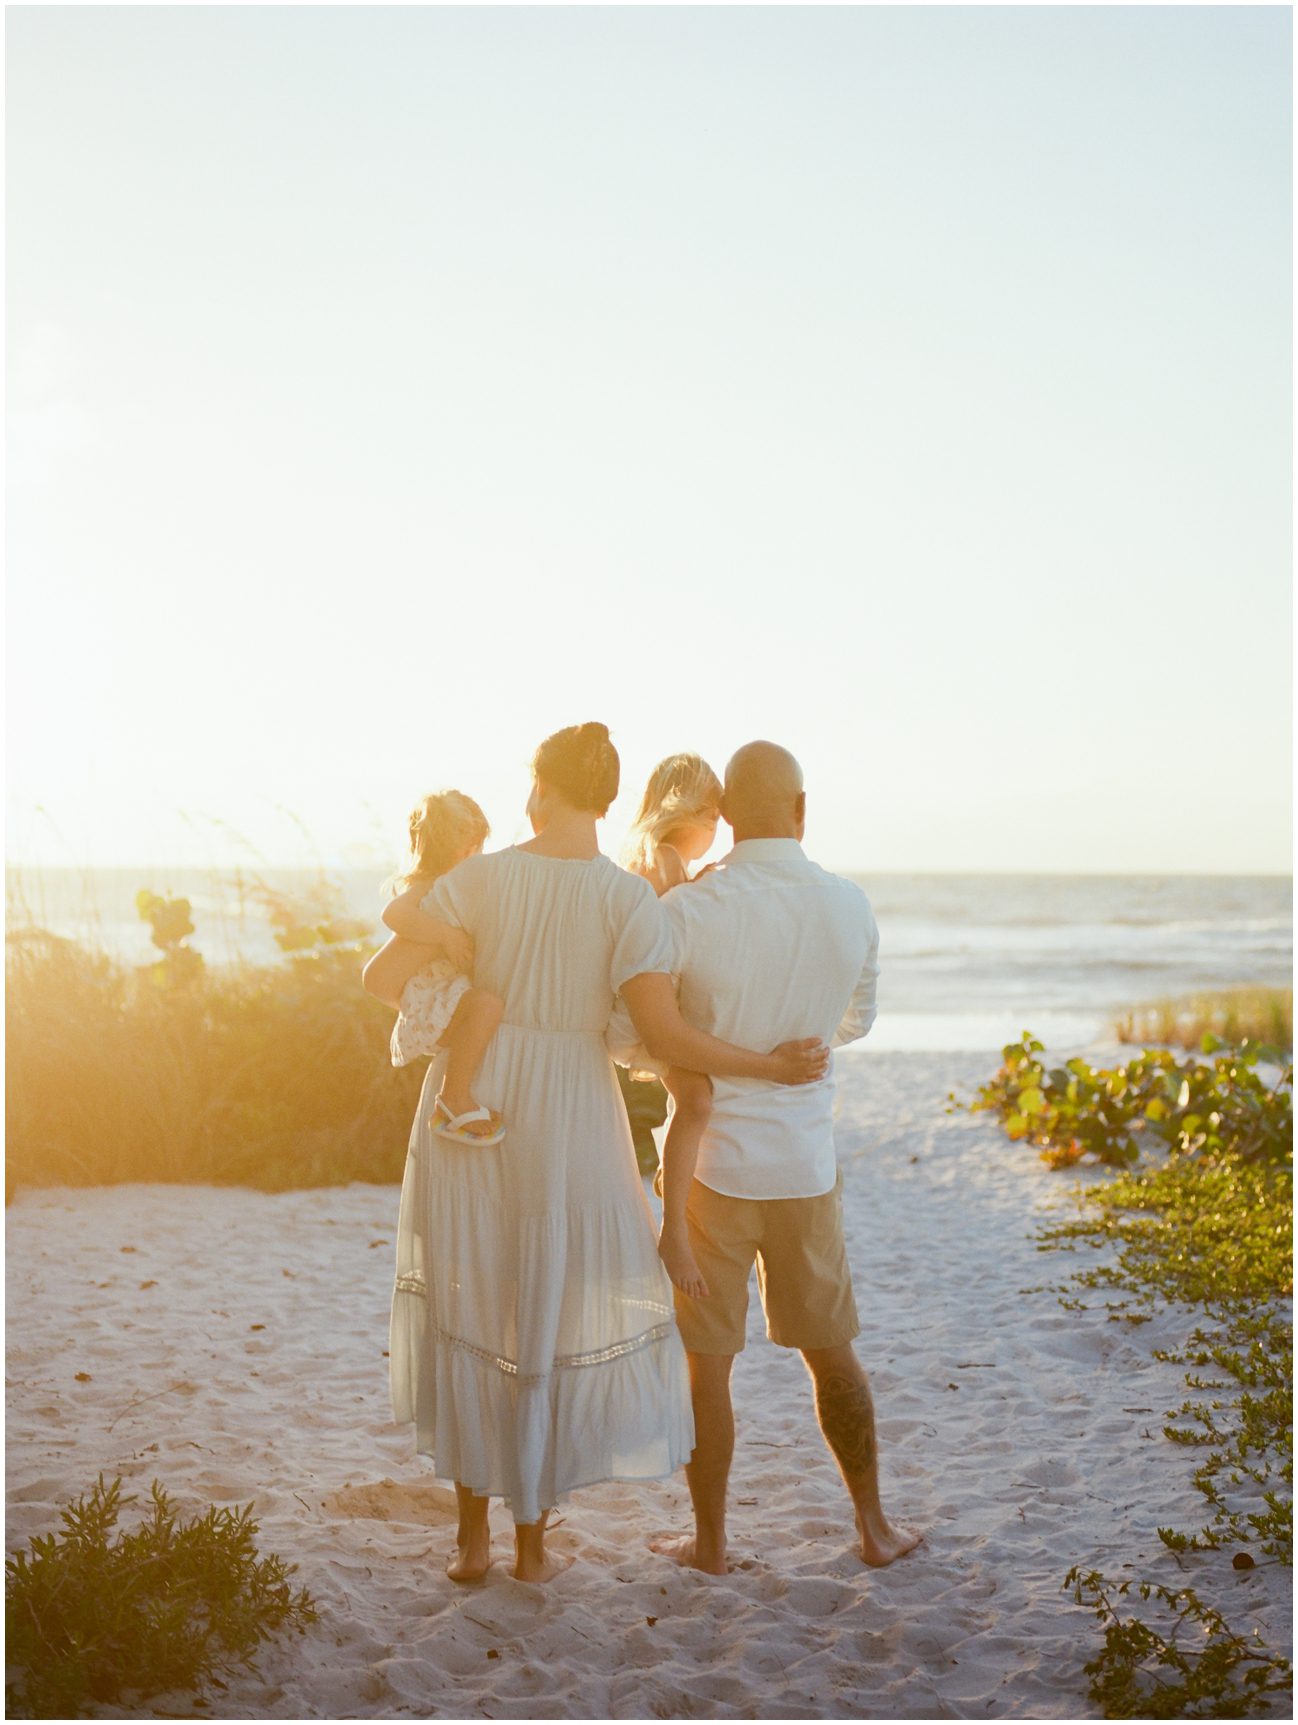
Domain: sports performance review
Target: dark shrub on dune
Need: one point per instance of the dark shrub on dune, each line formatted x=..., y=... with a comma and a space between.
x=99, y=1614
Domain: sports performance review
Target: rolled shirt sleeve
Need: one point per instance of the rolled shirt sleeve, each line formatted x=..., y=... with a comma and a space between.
x=862, y=1008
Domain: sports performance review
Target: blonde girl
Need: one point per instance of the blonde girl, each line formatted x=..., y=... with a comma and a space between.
x=424, y=970
x=675, y=826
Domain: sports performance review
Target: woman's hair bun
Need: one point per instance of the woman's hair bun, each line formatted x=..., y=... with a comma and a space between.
x=580, y=763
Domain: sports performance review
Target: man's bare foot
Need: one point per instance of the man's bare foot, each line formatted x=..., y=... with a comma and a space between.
x=543, y=1568
x=472, y=1557
x=882, y=1544
x=684, y=1549
x=678, y=1261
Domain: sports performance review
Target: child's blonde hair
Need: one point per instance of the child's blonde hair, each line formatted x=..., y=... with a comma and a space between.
x=443, y=828
x=681, y=789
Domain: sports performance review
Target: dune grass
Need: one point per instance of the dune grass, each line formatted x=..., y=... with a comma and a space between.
x=271, y=1076
x=1233, y=1014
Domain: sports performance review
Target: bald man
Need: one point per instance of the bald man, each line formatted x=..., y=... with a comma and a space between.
x=771, y=947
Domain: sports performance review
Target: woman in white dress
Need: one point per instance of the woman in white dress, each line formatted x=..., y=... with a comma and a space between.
x=533, y=1342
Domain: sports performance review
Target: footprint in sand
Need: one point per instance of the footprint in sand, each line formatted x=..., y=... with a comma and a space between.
x=511, y=1609
x=1051, y=1473
x=816, y=1597
x=772, y=1587
x=754, y=1566
x=823, y=1529
x=44, y=1490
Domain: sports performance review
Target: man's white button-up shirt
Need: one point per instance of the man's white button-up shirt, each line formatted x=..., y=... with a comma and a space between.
x=769, y=946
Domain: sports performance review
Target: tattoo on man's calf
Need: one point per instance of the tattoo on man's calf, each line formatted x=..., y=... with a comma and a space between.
x=847, y=1420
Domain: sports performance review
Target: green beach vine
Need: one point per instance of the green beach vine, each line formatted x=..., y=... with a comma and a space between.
x=1198, y=1211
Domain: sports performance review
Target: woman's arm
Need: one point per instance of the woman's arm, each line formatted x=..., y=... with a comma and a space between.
x=404, y=917
x=392, y=966
x=651, y=1001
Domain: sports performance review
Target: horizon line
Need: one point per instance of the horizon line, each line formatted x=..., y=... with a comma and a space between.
x=300, y=867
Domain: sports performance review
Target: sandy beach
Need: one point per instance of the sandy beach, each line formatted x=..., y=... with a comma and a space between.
x=232, y=1344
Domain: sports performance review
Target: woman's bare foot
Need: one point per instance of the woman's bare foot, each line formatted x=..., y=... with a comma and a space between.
x=472, y=1557
x=531, y=1567
x=678, y=1261
x=882, y=1544
x=532, y=1562
x=684, y=1549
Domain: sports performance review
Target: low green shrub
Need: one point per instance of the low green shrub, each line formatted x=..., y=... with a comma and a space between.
x=93, y=1618
x=1219, y=1102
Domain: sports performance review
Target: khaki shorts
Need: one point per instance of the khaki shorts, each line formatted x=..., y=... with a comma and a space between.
x=802, y=1271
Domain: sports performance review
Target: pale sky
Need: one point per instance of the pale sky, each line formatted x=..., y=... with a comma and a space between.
x=390, y=386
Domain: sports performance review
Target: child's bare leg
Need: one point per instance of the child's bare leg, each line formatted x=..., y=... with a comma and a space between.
x=476, y=1020
x=691, y=1093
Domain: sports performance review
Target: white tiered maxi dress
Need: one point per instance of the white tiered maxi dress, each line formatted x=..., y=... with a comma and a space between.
x=533, y=1341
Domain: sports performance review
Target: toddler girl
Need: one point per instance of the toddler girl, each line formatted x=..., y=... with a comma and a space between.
x=675, y=826
x=440, y=1007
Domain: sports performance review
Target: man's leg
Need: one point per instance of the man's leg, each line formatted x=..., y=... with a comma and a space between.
x=723, y=1233
x=845, y=1410
x=708, y=1470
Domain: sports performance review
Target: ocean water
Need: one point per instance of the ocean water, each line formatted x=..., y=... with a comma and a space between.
x=967, y=961
x=970, y=961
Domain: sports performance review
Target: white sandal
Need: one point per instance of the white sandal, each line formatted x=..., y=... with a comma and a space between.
x=452, y=1126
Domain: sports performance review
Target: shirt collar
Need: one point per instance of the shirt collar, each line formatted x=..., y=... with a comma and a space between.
x=766, y=850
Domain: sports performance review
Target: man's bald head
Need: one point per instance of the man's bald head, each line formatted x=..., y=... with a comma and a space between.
x=763, y=795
